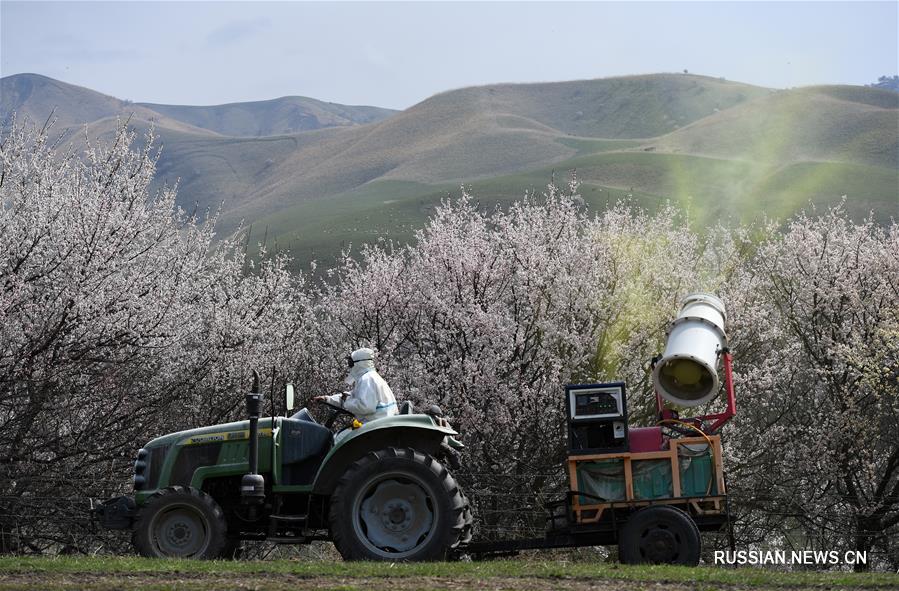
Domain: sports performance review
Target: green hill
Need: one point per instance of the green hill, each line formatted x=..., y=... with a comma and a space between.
x=482, y=132
x=618, y=108
x=831, y=123
x=289, y=114
x=37, y=96
x=722, y=150
x=774, y=154
x=72, y=107
x=712, y=190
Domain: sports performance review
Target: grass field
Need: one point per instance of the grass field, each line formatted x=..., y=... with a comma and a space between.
x=710, y=190
x=137, y=573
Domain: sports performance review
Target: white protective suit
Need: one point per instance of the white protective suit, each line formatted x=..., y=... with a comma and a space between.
x=371, y=397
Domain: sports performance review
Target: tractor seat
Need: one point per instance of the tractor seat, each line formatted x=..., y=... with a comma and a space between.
x=406, y=408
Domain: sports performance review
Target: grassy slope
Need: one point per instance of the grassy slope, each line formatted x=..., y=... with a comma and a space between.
x=130, y=572
x=37, y=96
x=723, y=150
x=211, y=170
x=72, y=107
x=775, y=155
x=619, y=108
x=495, y=130
x=280, y=116
x=835, y=123
x=712, y=190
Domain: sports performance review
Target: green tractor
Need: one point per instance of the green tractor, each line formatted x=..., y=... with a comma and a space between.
x=382, y=491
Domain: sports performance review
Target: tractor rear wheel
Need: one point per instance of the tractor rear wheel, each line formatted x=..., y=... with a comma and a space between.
x=180, y=522
x=396, y=504
x=660, y=535
x=468, y=520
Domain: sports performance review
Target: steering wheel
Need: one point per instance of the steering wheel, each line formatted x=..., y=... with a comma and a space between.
x=335, y=412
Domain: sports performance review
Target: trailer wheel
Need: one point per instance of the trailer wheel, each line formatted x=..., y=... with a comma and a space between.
x=396, y=504
x=660, y=535
x=180, y=522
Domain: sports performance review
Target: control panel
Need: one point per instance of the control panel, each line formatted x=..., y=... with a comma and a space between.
x=601, y=402
x=597, y=418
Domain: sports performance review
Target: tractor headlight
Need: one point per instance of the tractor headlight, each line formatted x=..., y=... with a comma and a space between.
x=148, y=466
x=141, y=468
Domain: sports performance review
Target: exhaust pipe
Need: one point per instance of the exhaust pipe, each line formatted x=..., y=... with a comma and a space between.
x=252, y=485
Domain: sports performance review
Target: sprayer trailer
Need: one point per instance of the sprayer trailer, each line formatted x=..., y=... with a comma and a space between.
x=385, y=490
x=650, y=490
x=652, y=505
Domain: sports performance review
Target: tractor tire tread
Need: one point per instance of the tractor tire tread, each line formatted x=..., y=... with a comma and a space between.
x=140, y=536
x=341, y=522
x=467, y=522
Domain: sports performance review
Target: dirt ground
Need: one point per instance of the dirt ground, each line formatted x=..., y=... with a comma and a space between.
x=277, y=582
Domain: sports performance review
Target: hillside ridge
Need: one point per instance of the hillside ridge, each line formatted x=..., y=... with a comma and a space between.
x=77, y=105
x=321, y=175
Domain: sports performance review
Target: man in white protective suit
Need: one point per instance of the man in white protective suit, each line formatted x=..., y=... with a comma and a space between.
x=371, y=397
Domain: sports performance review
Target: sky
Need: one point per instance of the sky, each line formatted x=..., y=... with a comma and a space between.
x=397, y=54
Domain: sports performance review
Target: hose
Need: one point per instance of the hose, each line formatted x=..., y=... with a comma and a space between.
x=708, y=490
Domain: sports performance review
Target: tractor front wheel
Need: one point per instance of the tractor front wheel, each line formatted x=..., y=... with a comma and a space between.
x=660, y=534
x=396, y=504
x=180, y=522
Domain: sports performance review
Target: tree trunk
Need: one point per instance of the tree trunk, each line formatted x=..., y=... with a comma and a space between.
x=866, y=529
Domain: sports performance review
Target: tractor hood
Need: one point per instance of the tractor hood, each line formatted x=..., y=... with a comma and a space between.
x=212, y=433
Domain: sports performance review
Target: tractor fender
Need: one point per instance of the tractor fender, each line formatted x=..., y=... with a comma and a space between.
x=421, y=435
